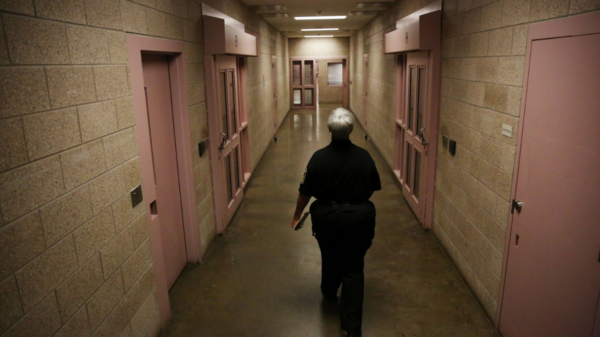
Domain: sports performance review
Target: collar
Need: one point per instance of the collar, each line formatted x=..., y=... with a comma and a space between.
x=341, y=142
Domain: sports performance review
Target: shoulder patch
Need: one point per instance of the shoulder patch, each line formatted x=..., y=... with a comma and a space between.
x=303, y=176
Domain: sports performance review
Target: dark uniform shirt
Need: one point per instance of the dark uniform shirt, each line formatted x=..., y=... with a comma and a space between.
x=341, y=172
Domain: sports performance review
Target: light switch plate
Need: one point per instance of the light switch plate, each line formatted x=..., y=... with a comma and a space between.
x=507, y=130
x=136, y=196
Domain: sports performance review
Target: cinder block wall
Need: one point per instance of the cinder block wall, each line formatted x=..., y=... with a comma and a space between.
x=325, y=46
x=483, y=48
x=74, y=256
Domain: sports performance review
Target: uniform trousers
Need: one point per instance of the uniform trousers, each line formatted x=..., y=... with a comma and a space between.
x=344, y=233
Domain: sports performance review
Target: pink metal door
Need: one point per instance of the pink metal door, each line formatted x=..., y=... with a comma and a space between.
x=416, y=117
x=230, y=152
x=345, y=83
x=365, y=89
x=167, y=206
x=275, y=96
x=304, y=88
x=552, y=281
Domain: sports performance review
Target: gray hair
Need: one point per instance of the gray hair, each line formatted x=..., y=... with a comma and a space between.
x=340, y=123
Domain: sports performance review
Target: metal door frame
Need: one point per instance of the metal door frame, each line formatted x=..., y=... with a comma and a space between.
x=218, y=179
x=175, y=49
x=565, y=27
x=303, y=86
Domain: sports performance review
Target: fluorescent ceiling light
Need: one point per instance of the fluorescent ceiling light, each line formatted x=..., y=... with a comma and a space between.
x=318, y=35
x=318, y=29
x=322, y=17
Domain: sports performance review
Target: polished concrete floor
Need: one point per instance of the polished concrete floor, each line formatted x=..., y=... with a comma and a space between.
x=262, y=279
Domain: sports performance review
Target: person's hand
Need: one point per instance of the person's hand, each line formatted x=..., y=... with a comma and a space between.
x=294, y=222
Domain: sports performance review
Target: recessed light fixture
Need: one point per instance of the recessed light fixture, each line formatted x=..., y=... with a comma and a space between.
x=318, y=35
x=321, y=17
x=368, y=5
x=318, y=29
x=274, y=15
x=361, y=13
x=267, y=8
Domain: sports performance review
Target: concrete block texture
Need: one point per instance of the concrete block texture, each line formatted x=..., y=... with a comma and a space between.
x=72, y=249
x=14, y=152
x=22, y=91
x=32, y=41
x=483, y=49
x=51, y=132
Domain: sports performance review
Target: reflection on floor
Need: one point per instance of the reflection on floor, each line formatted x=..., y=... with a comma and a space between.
x=262, y=279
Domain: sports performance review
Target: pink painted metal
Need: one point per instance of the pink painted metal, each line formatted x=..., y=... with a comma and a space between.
x=224, y=117
x=221, y=39
x=303, y=86
x=572, y=26
x=345, y=89
x=419, y=193
x=414, y=126
x=400, y=117
x=244, y=140
x=552, y=279
x=167, y=205
x=365, y=90
x=422, y=33
x=419, y=31
x=275, y=96
x=136, y=45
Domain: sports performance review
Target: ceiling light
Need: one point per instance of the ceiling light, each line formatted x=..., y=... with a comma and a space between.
x=266, y=8
x=365, y=5
x=360, y=13
x=274, y=15
x=318, y=35
x=323, y=17
x=318, y=29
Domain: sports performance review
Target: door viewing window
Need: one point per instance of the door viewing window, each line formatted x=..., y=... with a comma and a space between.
x=334, y=74
x=303, y=83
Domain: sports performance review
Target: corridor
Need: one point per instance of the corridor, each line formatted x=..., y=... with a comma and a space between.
x=262, y=279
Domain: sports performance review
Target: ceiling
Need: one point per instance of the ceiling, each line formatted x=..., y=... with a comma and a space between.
x=291, y=27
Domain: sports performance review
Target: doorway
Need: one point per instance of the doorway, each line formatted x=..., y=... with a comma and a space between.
x=330, y=81
x=365, y=89
x=304, y=84
x=162, y=125
x=275, y=96
x=227, y=116
x=552, y=277
x=157, y=88
x=417, y=110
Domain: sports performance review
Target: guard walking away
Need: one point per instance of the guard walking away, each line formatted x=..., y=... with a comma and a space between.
x=342, y=177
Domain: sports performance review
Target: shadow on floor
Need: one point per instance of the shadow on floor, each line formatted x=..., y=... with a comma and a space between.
x=262, y=279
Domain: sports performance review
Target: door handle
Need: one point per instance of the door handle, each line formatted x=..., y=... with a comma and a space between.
x=518, y=205
x=223, y=141
x=421, y=138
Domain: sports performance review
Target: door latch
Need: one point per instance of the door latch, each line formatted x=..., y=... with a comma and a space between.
x=421, y=138
x=516, y=205
x=222, y=146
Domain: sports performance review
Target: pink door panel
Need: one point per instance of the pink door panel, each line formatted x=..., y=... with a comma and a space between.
x=365, y=89
x=230, y=154
x=164, y=155
x=275, y=96
x=416, y=116
x=553, y=273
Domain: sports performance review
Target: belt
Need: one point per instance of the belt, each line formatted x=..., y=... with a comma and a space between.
x=343, y=203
